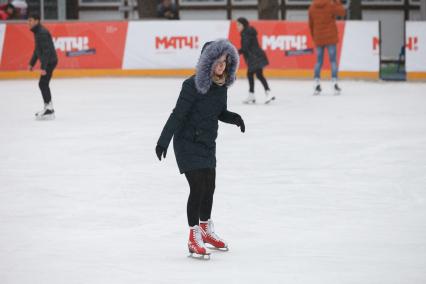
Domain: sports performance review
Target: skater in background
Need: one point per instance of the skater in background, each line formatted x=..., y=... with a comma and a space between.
x=45, y=51
x=193, y=124
x=323, y=28
x=166, y=9
x=255, y=59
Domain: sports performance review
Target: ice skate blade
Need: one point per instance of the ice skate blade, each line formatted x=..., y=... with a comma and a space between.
x=249, y=102
x=45, y=117
x=218, y=249
x=199, y=256
x=270, y=100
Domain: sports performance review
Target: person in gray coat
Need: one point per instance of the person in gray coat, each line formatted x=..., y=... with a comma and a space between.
x=255, y=59
x=193, y=124
x=44, y=51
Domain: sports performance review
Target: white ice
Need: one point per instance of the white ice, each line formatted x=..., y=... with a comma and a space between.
x=327, y=189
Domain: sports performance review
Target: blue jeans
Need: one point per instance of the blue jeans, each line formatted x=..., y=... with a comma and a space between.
x=332, y=54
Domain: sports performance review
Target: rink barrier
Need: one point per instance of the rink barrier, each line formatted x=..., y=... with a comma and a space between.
x=415, y=50
x=78, y=73
x=163, y=48
x=416, y=76
x=270, y=73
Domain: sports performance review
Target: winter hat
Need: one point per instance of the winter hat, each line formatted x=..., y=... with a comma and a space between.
x=210, y=53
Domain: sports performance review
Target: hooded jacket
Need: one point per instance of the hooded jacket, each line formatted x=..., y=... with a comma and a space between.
x=44, y=48
x=322, y=21
x=254, y=56
x=193, y=124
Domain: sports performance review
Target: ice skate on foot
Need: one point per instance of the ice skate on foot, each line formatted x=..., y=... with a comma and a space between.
x=337, y=90
x=47, y=113
x=251, y=99
x=269, y=98
x=196, y=246
x=46, y=105
x=317, y=90
x=210, y=237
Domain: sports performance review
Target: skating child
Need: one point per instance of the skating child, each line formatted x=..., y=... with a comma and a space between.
x=193, y=124
x=255, y=58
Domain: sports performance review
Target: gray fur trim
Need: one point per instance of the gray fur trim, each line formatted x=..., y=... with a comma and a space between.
x=204, y=69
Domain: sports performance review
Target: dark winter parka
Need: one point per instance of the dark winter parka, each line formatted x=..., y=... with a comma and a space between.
x=254, y=56
x=44, y=48
x=193, y=123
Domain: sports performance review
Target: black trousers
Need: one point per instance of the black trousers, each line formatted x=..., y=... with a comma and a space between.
x=200, y=201
x=259, y=75
x=44, y=81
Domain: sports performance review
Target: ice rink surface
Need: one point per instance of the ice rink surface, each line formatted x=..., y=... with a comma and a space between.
x=327, y=189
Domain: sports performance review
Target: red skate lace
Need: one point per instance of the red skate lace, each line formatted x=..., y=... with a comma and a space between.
x=197, y=236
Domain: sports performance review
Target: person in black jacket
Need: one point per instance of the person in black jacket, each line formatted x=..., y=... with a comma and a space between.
x=193, y=125
x=255, y=58
x=45, y=51
x=166, y=9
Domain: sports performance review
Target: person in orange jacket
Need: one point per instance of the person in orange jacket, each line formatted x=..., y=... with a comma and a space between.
x=323, y=28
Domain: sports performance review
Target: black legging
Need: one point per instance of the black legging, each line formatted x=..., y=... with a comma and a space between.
x=259, y=75
x=44, y=83
x=200, y=200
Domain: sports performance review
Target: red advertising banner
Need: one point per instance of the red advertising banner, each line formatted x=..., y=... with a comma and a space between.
x=165, y=48
x=288, y=45
x=79, y=45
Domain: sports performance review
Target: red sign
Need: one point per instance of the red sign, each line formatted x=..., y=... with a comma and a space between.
x=288, y=45
x=412, y=43
x=376, y=43
x=79, y=45
x=176, y=42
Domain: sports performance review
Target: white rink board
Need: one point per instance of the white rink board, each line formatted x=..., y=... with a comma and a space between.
x=416, y=49
x=2, y=33
x=184, y=40
x=358, y=52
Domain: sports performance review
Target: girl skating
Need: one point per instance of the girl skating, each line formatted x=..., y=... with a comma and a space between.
x=193, y=125
x=255, y=58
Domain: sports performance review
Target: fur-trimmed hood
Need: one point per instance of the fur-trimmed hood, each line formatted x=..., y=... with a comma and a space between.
x=210, y=53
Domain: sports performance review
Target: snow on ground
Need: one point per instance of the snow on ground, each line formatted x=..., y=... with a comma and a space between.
x=327, y=189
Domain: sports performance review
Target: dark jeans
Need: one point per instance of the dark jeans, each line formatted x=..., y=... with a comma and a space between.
x=259, y=75
x=44, y=82
x=332, y=54
x=200, y=201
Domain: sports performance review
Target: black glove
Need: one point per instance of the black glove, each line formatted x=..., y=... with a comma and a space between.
x=160, y=151
x=238, y=121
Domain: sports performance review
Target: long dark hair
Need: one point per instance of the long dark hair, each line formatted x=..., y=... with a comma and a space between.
x=243, y=21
